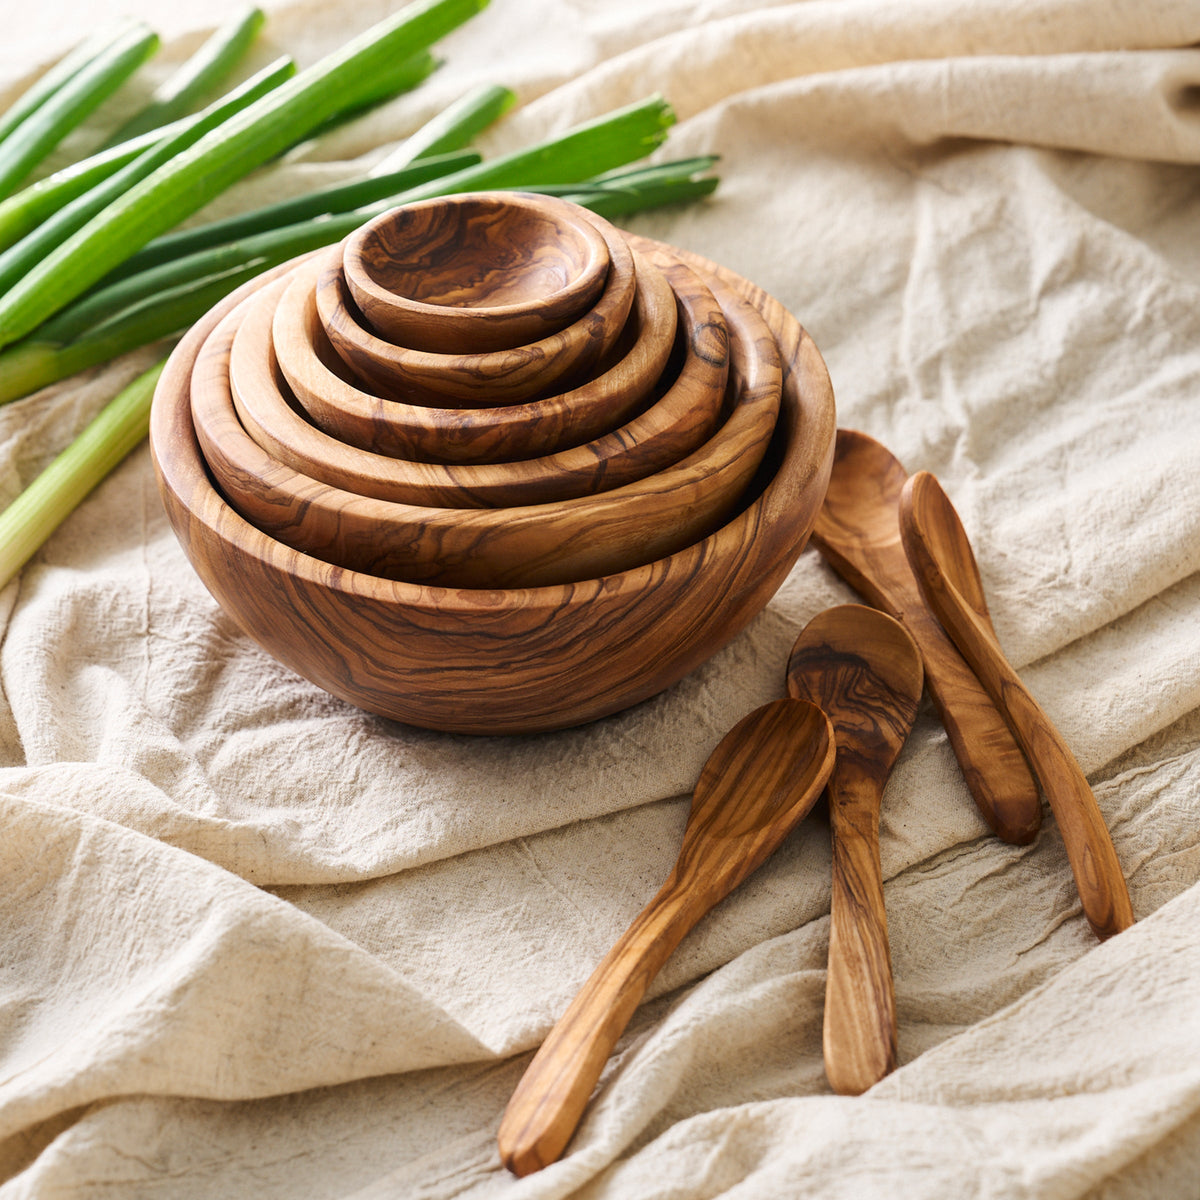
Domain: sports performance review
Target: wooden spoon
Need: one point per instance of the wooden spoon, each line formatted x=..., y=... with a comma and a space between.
x=762, y=778
x=947, y=573
x=858, y=534
x=864, y=670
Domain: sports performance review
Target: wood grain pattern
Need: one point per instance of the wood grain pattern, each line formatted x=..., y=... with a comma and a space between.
x=946, y=570
x=761, y=780
x=864, y=670
x=858, y=534
x=498, y=662
x=480, y=380
x=350, y=412
x=526, y=546
x=475, y=272
x=672, y=427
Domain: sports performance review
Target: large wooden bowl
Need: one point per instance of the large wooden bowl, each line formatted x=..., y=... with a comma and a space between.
x=504, y=660
x=475, y=272
x=675, y=425
x=524, y=546
x=485, y=378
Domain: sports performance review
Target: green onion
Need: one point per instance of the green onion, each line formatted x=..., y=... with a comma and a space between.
x=60, y=112
x=24, y=211
x=35, y=514
x=18, y=260
x=453, y=128
x=618, y=193
x=248, y=139
x=599, y=145
x=405, y=76
x=341, y=197
x=199, y=76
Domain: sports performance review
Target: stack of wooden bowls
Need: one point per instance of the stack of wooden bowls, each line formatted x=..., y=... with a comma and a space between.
x=491, y=465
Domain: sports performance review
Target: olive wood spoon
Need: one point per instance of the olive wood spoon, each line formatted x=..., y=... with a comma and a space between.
x=858, y=534
x=948, y=575
x=864, y=670
x=759, y=782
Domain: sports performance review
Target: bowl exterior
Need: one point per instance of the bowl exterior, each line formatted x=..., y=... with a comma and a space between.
x=502, y=661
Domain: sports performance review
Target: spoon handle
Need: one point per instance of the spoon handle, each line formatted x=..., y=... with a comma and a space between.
x=995, y=771
x=1093, y=859
x=860, y=1002
x=549, y=1100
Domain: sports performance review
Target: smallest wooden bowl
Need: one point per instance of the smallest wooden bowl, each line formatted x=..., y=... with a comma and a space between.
x=483, y=379
x=473, y=273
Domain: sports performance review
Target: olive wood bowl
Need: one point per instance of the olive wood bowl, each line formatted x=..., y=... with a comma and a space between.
x=523, y=546
x=493, y=661
x=678, y=423
x=487, y=378
x=475, y=272
x=337, y=403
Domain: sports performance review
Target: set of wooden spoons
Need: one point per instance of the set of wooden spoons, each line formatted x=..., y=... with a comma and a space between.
x=855, y=677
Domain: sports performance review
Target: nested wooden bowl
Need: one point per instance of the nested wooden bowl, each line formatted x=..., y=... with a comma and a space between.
x=676, y=424
x=485, y=378
x=500, y=659
x=513, y=546
x=340, y=406
x=476, y=272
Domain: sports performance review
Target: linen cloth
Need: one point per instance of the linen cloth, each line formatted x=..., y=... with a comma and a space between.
x=258, y=943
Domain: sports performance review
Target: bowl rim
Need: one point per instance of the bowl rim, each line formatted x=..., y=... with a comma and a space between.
x=809, y=410
x=397, y=315
x=694, y=492
x=683, y=417
x=356, y=416
x=480, y=380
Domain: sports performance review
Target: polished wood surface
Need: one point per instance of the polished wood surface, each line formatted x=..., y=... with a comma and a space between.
x=945, y=567
x=477, y=272
x=496, y=661
x=864, y=670
x=350, y=412
x=762, y=778
x=526, y=546
x=480, y=380
x=858, y=534
x=678, y=423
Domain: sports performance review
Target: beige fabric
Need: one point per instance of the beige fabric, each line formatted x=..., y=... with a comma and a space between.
x=257, y=943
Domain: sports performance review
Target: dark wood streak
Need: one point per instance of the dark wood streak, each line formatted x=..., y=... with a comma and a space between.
x=864, y=670
x=756, y=786
x=493, y=661
x=945, y=567
x=470, y=273
x=488, y=378
x=858, y=534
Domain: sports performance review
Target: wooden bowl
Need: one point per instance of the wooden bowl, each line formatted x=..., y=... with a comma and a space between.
x=491, y=377
x=678, y=423
x=337, y=404
x=475, y=272
x=494, y=661
x=515, y=546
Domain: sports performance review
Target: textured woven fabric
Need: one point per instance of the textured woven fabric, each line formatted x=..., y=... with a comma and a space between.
x=254, y=942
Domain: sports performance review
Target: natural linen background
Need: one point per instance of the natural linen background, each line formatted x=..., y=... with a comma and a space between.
x=258, y=943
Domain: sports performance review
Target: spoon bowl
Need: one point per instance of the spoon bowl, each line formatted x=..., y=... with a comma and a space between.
x=760, y=781
x=864, y=670
x=858, y=534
